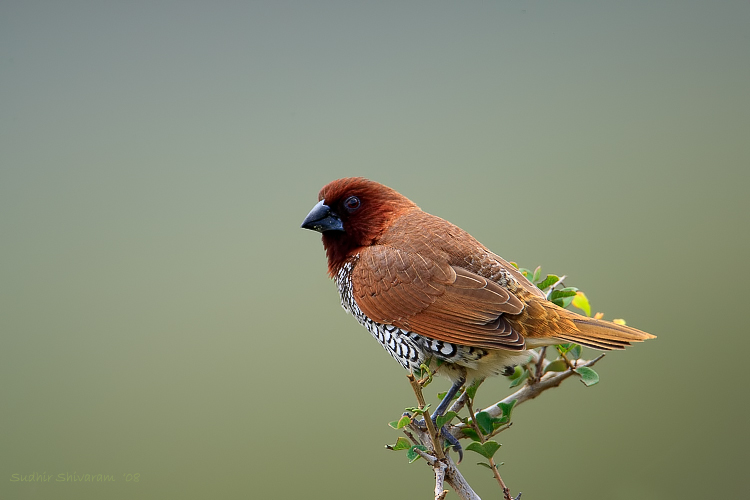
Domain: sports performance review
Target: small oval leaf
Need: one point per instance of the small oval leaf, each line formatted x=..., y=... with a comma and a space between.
x=444, y=419
x=412, y=455
x=556, y=366
x=471, y=433
x=575, y=352
x=484, y=421
x=550, y=280
x=520, y=380
x=582, y=302
x=401, y=444
x=588, y=376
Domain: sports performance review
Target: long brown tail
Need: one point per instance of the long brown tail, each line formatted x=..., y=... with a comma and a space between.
x=543, y=323
x=601, y=334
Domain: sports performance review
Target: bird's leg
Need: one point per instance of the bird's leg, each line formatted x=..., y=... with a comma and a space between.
x=440, y=410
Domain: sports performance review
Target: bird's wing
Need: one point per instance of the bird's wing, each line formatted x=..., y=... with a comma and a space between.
x=434, y=299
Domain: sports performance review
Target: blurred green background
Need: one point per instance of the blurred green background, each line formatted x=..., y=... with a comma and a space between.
x=162, y=314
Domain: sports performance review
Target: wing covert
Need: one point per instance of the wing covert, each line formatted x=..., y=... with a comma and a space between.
x=434, y=299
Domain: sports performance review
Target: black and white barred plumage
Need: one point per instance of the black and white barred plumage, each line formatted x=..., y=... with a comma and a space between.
x=410, y=349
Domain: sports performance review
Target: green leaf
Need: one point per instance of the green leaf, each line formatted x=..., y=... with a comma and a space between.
x=568, y=291
x=537, y=274
x=417, y=410
x=445, y=419
x=403, y=422
x=513, y=264
x=484, y=421
x=557, y=365
x=563, y=302
x=413, y=455
x=575, y=352
x=507, y=409
x=485, y=465
x=471, y=433
x=517, y=372
x=564, y=348
x=521, y=379
x=588, y=376
x=550, y=280
x=582, y=302
x=487, y=450
x=471, y=391
x=563, y=297
x=401, y=444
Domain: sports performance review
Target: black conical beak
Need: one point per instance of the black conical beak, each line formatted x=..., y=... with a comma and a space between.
x=321, y=219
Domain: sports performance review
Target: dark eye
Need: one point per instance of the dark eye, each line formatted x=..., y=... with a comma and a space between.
x=352, y=203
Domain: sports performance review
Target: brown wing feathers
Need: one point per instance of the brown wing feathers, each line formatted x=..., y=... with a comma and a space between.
x=436, y=300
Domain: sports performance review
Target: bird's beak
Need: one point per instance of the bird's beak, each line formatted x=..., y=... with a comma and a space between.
x=321, y=219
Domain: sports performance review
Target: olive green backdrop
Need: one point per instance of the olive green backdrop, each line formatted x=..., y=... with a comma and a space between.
x=164, y=320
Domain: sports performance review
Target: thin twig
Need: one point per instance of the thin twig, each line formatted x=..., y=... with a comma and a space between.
x=451, y=475
x=570, y=365
x=539, y=367
x=411, y=437
x=428, y=421
x=474, y=424
x=459, y=403
x=427, y=457
x=506, y=490
x=483, y=439
x=500, y=429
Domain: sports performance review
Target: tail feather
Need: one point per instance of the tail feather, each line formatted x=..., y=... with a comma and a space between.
x=544, y=323
x=603, y=335
x=599, y=344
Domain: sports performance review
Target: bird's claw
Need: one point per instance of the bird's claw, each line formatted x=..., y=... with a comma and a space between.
x=454, y=442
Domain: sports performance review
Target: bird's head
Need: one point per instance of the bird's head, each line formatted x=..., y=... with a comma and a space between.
x=353, y=213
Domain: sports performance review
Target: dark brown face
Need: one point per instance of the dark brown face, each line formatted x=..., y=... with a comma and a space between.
x=353, y=213
x=349, y=215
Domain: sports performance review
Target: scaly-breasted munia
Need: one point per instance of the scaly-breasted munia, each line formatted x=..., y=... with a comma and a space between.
x=427, y=290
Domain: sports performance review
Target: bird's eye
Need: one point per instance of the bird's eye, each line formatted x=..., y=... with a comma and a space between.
x=352, y=203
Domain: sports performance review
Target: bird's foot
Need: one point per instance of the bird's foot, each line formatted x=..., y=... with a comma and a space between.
x=449, y=437
x=454, y=442
x=419, y=422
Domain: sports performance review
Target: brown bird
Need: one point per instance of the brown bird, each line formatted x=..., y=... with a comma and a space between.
x=428, y=291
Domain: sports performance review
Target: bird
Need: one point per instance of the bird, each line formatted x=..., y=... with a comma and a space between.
x=431, y=294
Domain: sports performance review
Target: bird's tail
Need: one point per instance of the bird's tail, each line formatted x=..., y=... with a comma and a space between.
x=601, y=334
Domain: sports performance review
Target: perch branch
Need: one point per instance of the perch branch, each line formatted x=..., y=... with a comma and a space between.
x=548, y=381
